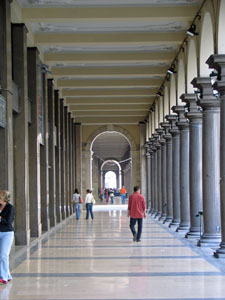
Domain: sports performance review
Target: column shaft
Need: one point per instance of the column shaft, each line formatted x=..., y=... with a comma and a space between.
x=36, y=98
x=175, y=170
x=163, y=179
x=62, y=147
x=78, y=156
x=57, y=157
x=169, y=179
x=148, y=200
x=183, y=125
x=6, y=133
x=21, y=155
x=51, y=152
x=195, y=117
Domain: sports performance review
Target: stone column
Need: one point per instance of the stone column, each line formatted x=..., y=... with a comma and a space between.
x=51, y=153
x=169, y=183
x=211, y=162
x=155, y=177
x=163, y=188
x=142, y=132
x=159, y=179
x=66, y=116
x=148, y=158
x=35, y=96
x=175, y=169
x=218, y=62
x=183, y=125
x=6, y=132
x=70, y=165
x=57, y=157
x=151, y=152
x=44, y=157
x=62, y=154
x=21, y=154
x=194, y=115
x=78, y=157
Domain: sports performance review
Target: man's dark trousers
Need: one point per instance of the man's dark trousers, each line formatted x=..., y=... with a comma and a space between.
x=132, y=226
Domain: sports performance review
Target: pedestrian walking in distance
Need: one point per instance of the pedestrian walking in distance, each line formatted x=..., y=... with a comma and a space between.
x=136, y=212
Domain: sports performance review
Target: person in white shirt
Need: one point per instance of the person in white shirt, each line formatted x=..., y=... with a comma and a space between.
x=89, y=201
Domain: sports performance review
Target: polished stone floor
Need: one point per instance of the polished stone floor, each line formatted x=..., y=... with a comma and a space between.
x=99, y=260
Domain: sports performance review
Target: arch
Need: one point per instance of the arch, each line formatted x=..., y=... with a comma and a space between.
x=161, y=114
x=180, y=80
x=156, y=114
x=192, y=70
x=221, y=26
x=206, y=44
x=118, y=164
x=173, y=98
x=110, y=160
x=110, y=128
x=166, y=103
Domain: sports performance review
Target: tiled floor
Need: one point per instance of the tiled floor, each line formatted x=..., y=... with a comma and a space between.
x=99, y=260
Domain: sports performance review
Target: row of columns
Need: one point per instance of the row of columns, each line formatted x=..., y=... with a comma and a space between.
x=38, y=142
x=186, y=163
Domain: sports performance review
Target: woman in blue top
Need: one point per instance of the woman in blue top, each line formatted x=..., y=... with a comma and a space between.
x=6, y=235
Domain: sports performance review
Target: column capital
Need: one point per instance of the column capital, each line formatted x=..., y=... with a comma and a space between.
x=174, y=129
x=183, y=122
x=194, y=111
x=156, y=137
x=167, y=127
x=217, y=62
x=207, y=99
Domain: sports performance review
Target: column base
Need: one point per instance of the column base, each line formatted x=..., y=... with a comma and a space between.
x=194, y=232
x=174, y=224
x=158, y=214
x=192, y=235
x=212, y=240
x=182, y=228
x=162, y=217
x=167, y=220
x=220, y=253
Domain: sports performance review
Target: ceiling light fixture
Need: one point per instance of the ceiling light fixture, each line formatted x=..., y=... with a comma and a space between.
x=171, y=70
x=192, y=30
x=159, y=94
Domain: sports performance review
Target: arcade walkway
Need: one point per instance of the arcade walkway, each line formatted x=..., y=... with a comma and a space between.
x=98, y=260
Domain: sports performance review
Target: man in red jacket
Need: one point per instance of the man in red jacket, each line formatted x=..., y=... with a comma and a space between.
x=136, y=212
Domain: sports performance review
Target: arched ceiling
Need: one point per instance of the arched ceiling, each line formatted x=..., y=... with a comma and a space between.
x=111, y=145
x=108, y=57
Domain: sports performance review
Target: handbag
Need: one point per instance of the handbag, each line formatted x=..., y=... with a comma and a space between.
x=93, y=200
x=81, y=200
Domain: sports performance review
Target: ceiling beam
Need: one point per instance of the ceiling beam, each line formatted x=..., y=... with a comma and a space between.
x=109, y=92
x=111, y=107
x=109, y=56
x=109, y=120
x=108, y=100
x=107, y=82
x=70, y=14
x=106, y=113
x=78, y=39
x=156, y=71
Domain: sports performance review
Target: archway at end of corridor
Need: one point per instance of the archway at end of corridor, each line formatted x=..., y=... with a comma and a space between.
x=110, y=180
x=111, y=154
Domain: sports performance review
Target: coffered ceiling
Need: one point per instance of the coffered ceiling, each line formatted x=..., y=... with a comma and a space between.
x=108, y=57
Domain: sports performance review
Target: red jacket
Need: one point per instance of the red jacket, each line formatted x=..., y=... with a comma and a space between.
x=136, y=205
